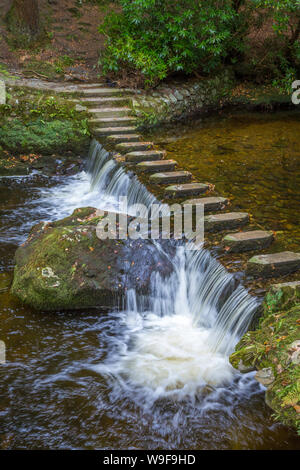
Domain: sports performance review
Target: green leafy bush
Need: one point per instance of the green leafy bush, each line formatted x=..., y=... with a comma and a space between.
x=153, y=38
x=150, y=39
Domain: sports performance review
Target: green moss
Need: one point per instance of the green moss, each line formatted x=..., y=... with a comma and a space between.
x=270, y=346
x=40, y=123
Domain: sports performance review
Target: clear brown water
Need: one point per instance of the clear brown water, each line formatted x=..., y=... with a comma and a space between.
x=52, y=392
x=254, y=159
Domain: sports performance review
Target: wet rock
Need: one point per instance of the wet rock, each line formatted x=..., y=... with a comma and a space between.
x=64, y=265
x=274, y=265
x=265, y=376
x=247, y=241
x=210, y=203
x=188, y=189
x=171, y=177
x=218, y=222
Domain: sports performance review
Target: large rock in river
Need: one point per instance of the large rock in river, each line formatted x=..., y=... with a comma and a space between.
x=64, y=265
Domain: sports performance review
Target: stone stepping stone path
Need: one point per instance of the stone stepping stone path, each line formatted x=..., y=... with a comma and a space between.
x=108, y=112
x=209, y=203
x=105, y=101
x=110, y=131
x=119, y=138
x=111, y=118
x=148, y=155
x=113, y=121
x=227, y=221
x=126, y=147
x=183, y=190
x=247, y=241
x=273, y=265
x=171, y=177
x=149, y=167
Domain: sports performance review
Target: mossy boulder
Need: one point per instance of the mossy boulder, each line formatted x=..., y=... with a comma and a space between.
x=274, y=351
x=64, y=265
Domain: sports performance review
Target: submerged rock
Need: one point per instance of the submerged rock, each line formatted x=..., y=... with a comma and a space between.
x=274, y=351
x=64, y=265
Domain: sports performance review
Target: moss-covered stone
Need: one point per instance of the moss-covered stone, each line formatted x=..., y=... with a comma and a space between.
x=34, y=121
x=64, y=265
x=274, y=350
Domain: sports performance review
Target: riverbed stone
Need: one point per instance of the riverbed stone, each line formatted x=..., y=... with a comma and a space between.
x=64, y=265
x=210, y=203
x=163, y=165
x=247, y=241
x=113, y=121
x=107, y=131
x=126, y=147
x=187, y=189
x=110, y=112
x=228, y=221
x=171, y=177
x=119, y=138
x=274, y=265
x=148, y=155
x=265, y=376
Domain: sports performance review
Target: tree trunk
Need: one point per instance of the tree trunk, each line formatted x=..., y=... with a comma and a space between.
x=24, y=15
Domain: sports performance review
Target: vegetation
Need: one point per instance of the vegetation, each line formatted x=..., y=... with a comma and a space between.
x=148, y=40
x=275, y=346
x=36, y=122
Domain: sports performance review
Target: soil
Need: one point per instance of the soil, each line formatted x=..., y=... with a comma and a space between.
x=70, y=47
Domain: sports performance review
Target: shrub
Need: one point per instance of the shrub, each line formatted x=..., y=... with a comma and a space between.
x=153, y=38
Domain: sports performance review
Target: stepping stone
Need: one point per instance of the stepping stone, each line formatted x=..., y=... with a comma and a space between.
x=126, y=147
x=105, y=91
x=218, y=222
x=117, y=139
x=188, y=189
x=171, y=177
x=113, y=121
x=273, y=265
x=247, y=241
x=107, y=131
x=113, y=112
x=90, y=85
x=210, y=203
x=163, y=165
x=106, y=101
x=149, y=155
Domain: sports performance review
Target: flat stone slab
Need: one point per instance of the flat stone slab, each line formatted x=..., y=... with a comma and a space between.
x=218, y=222
x=126, y=147
x=274, y=265
x=164, y=165
x=247, y=241
x=107, y=100
x=148, y=155
x=113, y=112
x=113, y=121
x=210, y=203
x=106, y=131
x=171, y=177
x=98, y=91
x=118, y=138
x=188, y=189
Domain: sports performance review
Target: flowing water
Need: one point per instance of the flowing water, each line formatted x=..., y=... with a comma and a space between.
x=152, y=376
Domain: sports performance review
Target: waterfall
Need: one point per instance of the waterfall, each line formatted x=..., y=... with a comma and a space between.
x=179, y=336
x=111, y=180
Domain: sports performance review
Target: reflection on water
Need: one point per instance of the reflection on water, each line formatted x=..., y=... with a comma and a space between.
x=254, y=159
x=81, y=379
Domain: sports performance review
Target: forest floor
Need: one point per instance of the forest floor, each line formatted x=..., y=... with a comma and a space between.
x=69, y=48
